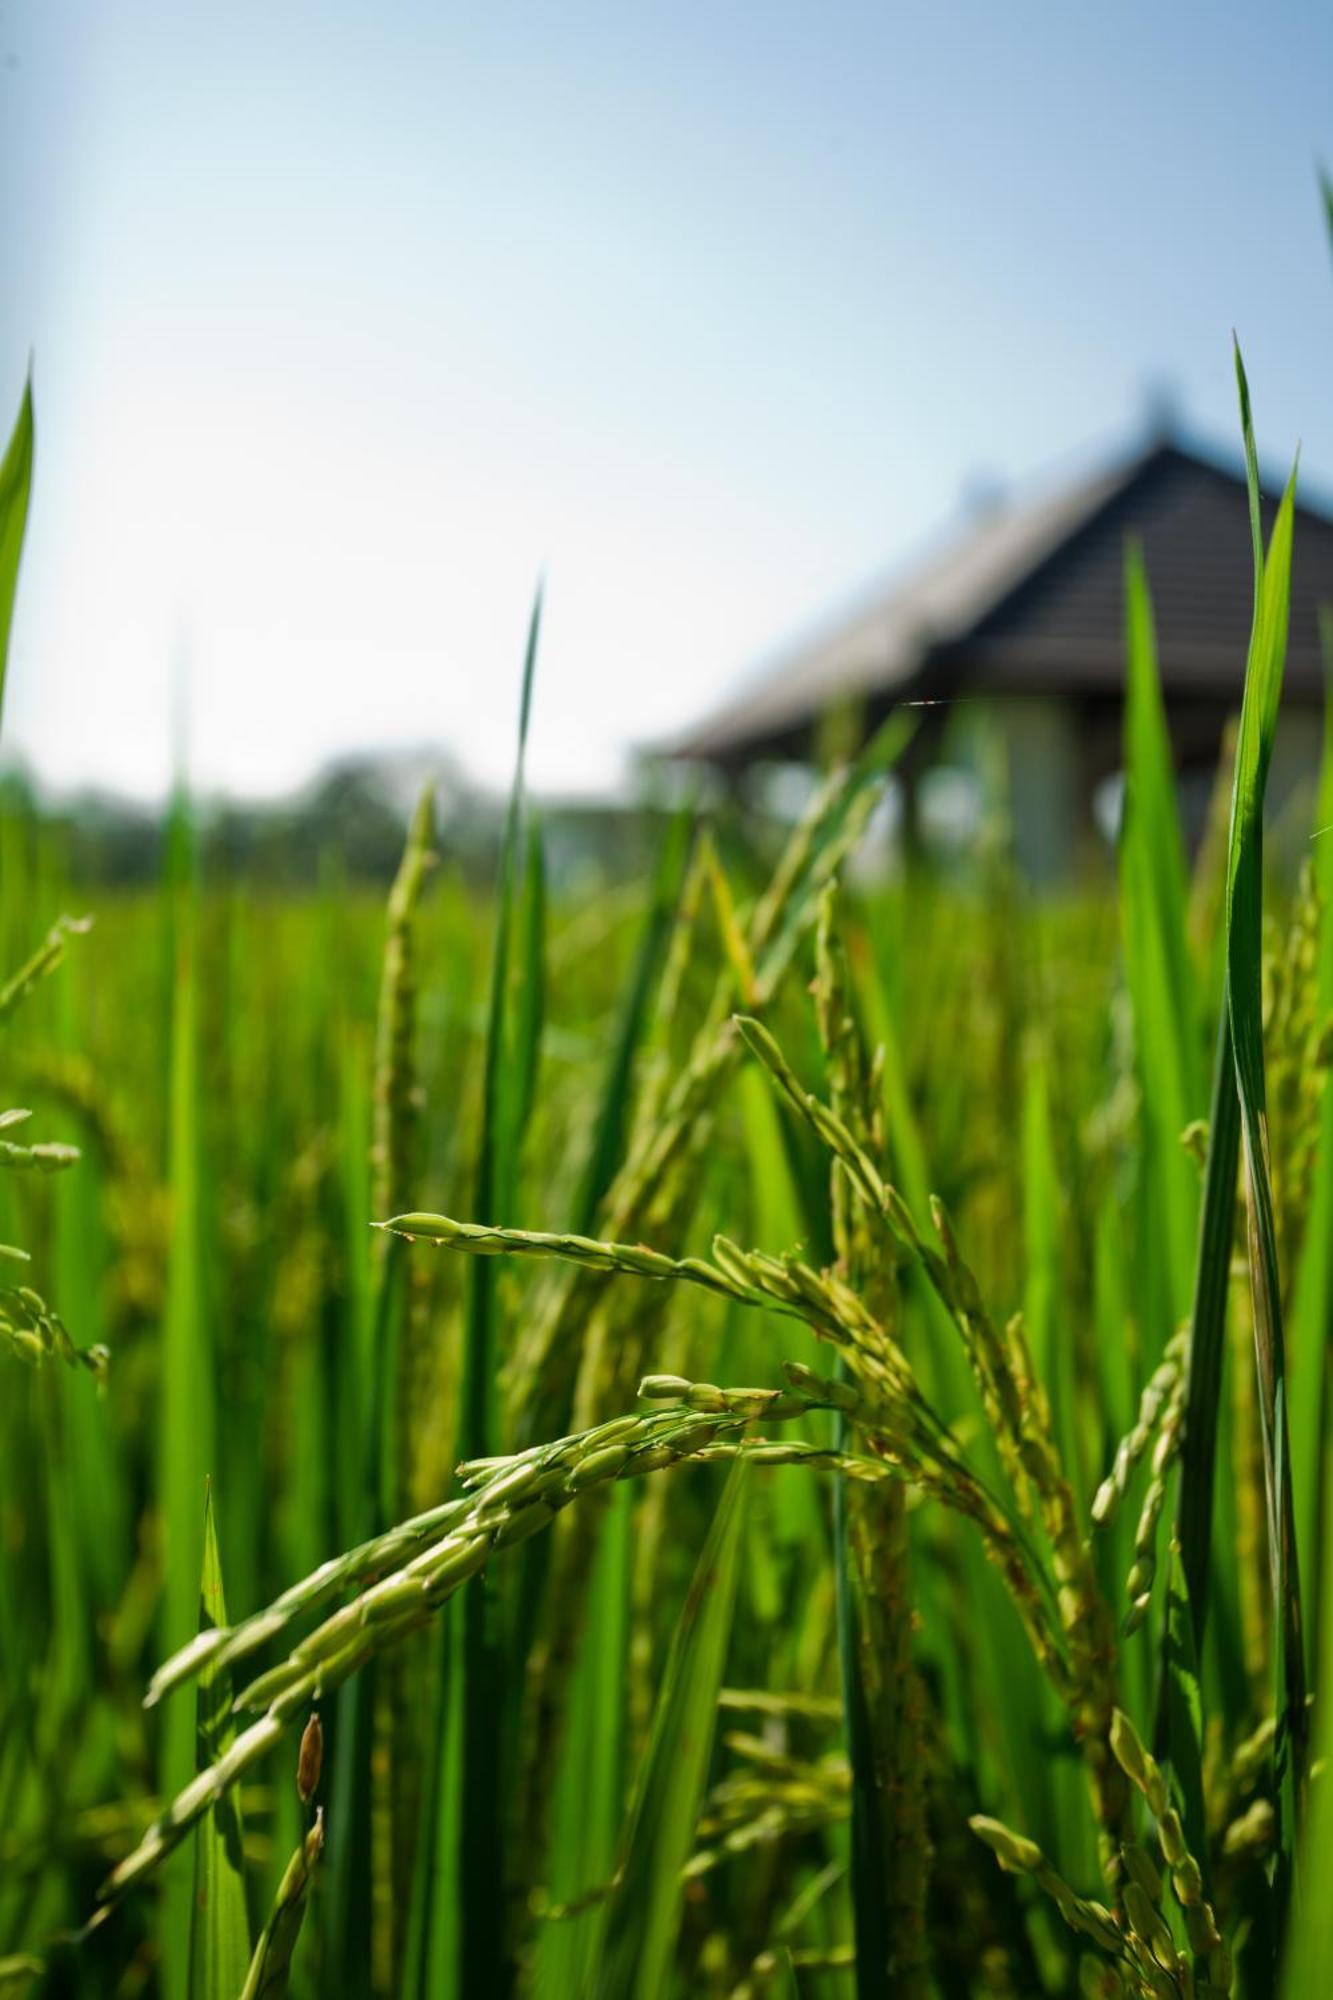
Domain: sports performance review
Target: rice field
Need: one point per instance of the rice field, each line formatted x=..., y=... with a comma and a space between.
x=761, y=1431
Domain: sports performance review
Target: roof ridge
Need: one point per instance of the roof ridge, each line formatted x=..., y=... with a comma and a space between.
x=876, y=641
x=765, y=681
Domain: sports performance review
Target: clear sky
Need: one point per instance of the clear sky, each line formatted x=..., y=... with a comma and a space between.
x=348, y=318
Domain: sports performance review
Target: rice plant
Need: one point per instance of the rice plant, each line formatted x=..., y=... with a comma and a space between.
x=759, y=1435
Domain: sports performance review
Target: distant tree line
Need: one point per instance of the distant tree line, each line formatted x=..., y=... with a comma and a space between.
x=347, y=825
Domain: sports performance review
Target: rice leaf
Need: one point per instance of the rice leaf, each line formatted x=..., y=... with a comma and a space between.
x=1308, y=1968
x=527, y=1004
x=220, y=1926
x=1244, y=903
x=398, y=1366
x=588, y=1797
x=15, y=488
x=186, y=1421
x=1160, y=980
x=588, y=1805
x=1208, y=1332
x=460, y=1946
x=509, y=1064
x=375, y=1771
x=1195, y=1525
x=643, y=1915
x=1312, y=1310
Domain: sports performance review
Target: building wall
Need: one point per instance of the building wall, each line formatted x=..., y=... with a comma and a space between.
x=1058, y=754
x=1042, y=753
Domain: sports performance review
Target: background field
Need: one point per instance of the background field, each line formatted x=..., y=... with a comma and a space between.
x=211, y=1046
x=757, y=1407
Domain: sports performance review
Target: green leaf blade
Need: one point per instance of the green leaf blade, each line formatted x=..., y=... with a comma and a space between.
x=1159, y=976
x=643, y=1915
x=15, y=492
x=220, y=1924
x=1244, y=905
x=460, y=1943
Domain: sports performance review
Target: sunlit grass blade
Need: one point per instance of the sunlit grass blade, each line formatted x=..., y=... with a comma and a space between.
x=1263, y=687
x=588, y=1797
x=509, y=1062
x=355, y=1358
x=15, y=487
x=1309, y=1959
x=588, y=1803
x=220, y=1926
x=459, y=1934
x=1312, y=1310
x=345, y=1914
x=526, y=1004
x=381, y=1735
x=186, y=1419
x=643, y=1914
x=395, y=1159
x=1160, y=980
x=1196, y=1526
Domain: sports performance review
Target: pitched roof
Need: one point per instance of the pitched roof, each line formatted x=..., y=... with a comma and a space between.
x=1027, y=598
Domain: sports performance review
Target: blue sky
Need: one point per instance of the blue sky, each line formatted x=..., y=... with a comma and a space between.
x=349, y=318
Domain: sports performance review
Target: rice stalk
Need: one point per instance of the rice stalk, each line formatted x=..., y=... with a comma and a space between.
x=397, y=1381
x=269, y=1975
x=881, y=1694
x=1021, y=1428
x=575, y=1363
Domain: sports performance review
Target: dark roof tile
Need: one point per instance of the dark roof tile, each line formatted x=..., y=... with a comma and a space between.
x=1028, y=599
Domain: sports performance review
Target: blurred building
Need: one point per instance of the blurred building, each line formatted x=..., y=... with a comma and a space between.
x=1011, y=633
